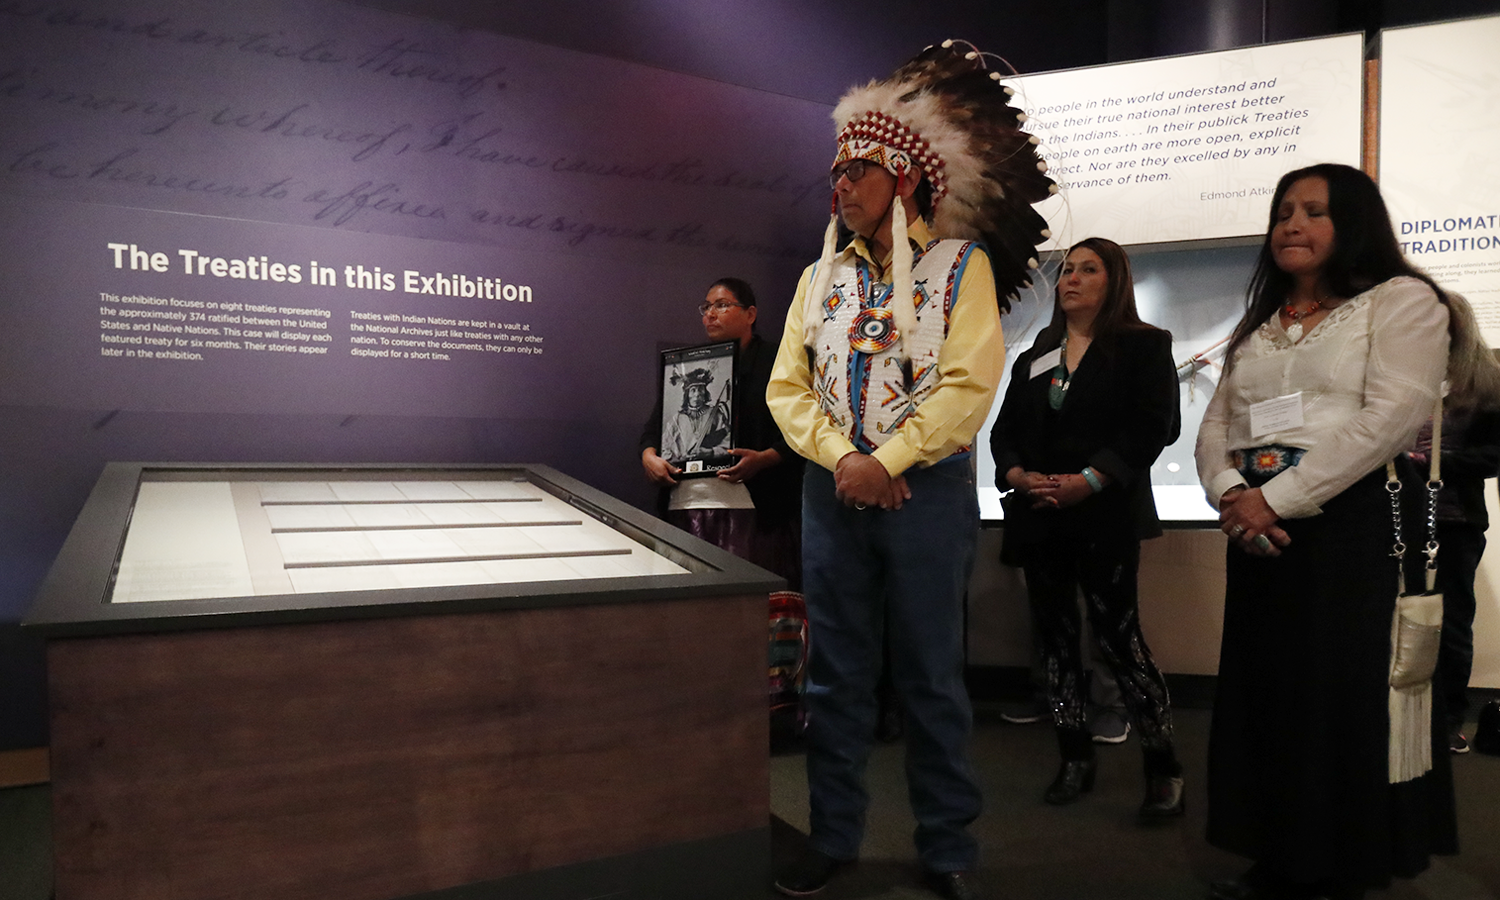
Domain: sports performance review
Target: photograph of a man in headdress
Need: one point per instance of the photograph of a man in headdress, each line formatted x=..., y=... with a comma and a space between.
x=700, y=426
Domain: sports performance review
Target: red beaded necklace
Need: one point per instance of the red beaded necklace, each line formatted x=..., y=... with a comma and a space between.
x=1294, y=330
x=1290, y=311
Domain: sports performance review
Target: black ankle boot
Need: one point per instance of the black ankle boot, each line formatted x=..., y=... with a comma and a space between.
x=1164, y=799
x=1074, y=779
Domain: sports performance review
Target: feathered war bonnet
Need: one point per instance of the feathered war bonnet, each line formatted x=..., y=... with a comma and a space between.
x=945, y=117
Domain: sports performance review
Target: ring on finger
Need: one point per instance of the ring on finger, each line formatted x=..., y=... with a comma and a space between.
x=1261, y=542
x=1236, y=531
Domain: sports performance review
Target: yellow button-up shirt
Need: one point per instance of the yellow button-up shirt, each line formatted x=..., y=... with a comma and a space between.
x=970, y=365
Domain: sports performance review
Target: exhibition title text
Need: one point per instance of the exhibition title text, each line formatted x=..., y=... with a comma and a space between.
x=357, y=277
x=1450, y=234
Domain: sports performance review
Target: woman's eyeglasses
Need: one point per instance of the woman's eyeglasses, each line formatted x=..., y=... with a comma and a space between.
x=719, y=307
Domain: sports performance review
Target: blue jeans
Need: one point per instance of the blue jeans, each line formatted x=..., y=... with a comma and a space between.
x=866, y=572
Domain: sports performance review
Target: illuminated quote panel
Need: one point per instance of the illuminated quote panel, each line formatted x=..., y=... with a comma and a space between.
x=1190, y=147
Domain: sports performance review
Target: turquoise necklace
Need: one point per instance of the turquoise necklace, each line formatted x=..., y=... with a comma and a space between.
x=1057, y=390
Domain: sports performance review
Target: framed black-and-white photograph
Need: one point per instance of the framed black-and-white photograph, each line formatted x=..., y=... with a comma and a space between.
x=697, y=402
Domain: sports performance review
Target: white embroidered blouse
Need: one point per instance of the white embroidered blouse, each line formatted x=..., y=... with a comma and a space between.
x=1368, y=375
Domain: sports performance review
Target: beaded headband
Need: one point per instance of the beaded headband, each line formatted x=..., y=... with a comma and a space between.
x=896, y=147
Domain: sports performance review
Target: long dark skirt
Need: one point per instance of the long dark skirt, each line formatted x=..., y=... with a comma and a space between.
x=1297, y=754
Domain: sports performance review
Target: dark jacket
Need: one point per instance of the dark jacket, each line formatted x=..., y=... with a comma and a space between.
x=777, y=491
x=1471, y=453
x=1121, y=410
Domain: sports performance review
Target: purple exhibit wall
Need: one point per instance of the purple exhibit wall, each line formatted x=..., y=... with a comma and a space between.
x=307, y=231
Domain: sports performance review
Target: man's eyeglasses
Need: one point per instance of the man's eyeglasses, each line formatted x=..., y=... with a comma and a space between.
x=854, y=170
x=719, y=307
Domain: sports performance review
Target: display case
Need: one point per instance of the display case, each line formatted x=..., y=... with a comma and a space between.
x=363, y=681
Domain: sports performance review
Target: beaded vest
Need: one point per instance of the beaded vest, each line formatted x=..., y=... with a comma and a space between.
x=858, y=375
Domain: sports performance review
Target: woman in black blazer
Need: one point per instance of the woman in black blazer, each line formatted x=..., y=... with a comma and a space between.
x=1089, y=408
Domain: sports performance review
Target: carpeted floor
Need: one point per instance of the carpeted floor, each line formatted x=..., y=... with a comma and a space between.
x=1095, y=848
x=25, y=843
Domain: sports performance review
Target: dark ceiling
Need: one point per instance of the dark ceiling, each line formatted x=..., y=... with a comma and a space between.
x=816, y=49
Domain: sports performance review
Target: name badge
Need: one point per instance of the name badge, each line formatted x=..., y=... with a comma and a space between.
x=1046, y=362
x=1276, y=414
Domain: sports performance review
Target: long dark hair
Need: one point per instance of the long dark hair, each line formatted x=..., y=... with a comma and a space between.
x=1116, y=314
x=1365, y=249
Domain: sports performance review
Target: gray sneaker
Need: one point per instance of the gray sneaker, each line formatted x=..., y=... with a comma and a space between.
x=1024, y=712
x=1109, y=727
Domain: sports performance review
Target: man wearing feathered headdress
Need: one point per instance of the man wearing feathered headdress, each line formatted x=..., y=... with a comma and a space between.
x=888, y=366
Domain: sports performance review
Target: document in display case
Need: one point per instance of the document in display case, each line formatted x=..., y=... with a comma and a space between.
x=310, y=677
x=219, y=537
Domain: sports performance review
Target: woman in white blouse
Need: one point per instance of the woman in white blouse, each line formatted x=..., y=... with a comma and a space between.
x=1331, y=372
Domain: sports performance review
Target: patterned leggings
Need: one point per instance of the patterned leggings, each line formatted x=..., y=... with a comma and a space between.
x=1107, y=573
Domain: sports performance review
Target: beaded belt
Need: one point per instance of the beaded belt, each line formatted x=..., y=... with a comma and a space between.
x=1260, y=464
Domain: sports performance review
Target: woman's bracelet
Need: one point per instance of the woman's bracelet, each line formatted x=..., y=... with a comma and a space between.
x=1092, y=478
